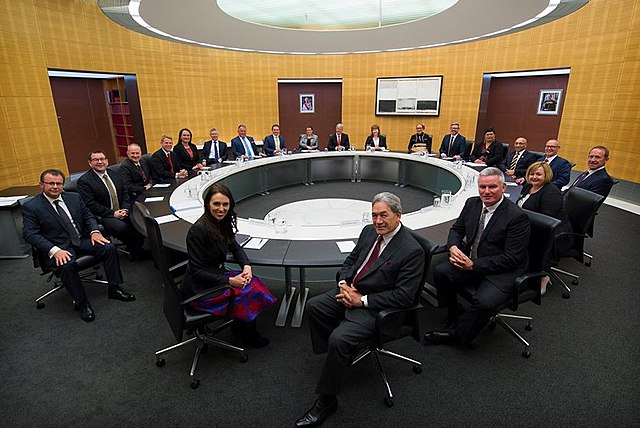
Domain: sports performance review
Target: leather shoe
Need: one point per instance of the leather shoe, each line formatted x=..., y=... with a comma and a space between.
x=86, y=312
x=317, y=414
x=439, y=337
x=118, y=293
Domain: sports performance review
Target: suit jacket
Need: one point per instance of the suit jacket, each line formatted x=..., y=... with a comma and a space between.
x=132, y=180
x=206, y=260
x=269, y=144
x=43, y=227
x=208, y=149
x=426, y=139
x=502, y=251
x=494, y=155
x=561, y=169
x=547, y=201
x=185, y=161
x=393, y=280
x=95, y=195
x=382, y=142
x=333, y=141
x=599, y=182
x=525, y=159
x=160, y=168
x=457, y=148
x=303, y=141
x=238, y=147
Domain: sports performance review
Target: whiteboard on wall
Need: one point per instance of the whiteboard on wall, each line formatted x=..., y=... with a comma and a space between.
x=408, y=96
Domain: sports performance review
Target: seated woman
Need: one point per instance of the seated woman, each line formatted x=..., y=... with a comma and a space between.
x=540, y=195
x=187, y=152
x=375, y=140
x=208, y=241
x=489, y=151
x=308, y=140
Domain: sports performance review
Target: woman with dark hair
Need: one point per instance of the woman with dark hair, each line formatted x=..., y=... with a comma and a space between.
x=208, y=242
x=375, y=140
x=489, y=151
x=187, y=152
x=308, y=140
x=539, y=194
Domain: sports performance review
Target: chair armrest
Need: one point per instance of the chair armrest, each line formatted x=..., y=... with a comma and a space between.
x=179, y=265
x=209, y=293
x=523, y=280
x=389, y=320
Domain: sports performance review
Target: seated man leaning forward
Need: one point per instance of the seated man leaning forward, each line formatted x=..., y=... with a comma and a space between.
x=383, y=271
x=487, y=251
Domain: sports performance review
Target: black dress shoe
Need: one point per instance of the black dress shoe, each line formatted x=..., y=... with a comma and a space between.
x=317, y=414
x=440, y=337
x=86, y=312
x=119, y=294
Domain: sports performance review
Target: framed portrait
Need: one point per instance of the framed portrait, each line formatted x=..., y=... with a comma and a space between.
x=549, y=101
x=307, y=103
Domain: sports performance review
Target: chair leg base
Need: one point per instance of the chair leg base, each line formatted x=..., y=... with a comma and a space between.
x=500, y=319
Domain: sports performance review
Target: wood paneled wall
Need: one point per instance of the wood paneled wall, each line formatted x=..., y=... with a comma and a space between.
x=185, y=86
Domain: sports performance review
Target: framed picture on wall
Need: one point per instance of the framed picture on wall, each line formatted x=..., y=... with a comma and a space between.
x=549, y=101
x=408, y=96
x=307, y=103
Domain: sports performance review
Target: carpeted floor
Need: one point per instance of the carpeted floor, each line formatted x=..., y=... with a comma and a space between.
x=58, y=371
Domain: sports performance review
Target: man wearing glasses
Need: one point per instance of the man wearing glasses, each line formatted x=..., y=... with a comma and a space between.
x=560, y=167
x=60, y=226
x=103, y=192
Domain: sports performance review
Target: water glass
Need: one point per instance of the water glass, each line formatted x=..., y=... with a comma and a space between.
x=446, y=198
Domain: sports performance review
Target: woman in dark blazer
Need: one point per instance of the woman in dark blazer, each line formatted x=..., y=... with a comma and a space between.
x=208, y=242
x=490, y=151
x=375, y=140
x=187, y=152
x=540, y=195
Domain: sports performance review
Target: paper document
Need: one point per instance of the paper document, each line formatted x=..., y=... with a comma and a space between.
x=346, y=246
x=161, y=185
x=166, y=218
x=154, y=199
x=255, y=243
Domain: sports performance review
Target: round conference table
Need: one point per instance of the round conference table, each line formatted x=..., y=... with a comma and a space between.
x=177, y=204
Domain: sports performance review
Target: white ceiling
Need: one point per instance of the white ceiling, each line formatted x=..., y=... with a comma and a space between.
x=204, y=23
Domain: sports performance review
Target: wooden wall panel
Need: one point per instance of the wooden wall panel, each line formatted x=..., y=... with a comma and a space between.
x=190, y=86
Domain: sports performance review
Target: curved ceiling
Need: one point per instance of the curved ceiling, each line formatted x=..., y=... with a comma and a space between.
x=437, y=23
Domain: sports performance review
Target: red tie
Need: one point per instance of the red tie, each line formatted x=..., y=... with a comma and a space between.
x=372, y=259
x=170, y=162
x=338, y=140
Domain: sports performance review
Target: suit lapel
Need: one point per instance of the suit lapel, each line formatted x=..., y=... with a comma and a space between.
x=391, y=248
x=51, y=210
x=494, y=219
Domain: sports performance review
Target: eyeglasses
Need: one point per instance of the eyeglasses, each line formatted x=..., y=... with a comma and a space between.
x=98, y=160
x=551, y=147
x=53, y=183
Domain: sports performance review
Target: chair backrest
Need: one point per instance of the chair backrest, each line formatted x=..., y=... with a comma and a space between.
x=581, y=207
x=467, y=149
x=429, y=247
x=115, y=168
x=71, y=186
x=541, y=239
x=505, y=150
x=172, y=294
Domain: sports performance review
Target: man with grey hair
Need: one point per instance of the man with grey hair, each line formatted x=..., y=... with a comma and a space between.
x=383, y=271
x=338, y=141
x=487, y=250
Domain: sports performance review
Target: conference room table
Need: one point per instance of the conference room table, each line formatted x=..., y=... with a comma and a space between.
x=178, y=203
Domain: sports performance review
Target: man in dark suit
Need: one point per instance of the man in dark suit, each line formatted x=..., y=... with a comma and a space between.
x=383, y=271
x=596, y=178
x=560, y=167
x=420, y=141
x=102, y=191
x=516, y=163
x=274, y=144
x=165, y=163
x=487, y=250
x=338, y=141
x=454, y=144
x=60, y=226
x=215, y=151
x=244, y=146
x=135, y=172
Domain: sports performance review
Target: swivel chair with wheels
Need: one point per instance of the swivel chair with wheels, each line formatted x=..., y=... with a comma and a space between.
x=182, y=317
x=393, y=324
x=589, y=257
x=581, y=207
x=527, y=285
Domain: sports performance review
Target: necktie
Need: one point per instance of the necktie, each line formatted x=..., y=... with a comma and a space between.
x=476, y=239
x=247, y=148
x=372, y=259
x=338, y=137
x=215, y=150
x=113, y=195
x=170, y=163
x=68, y=226
x=580, y=178
x=141, y=172
x=514, y=161
x=277, y=143
x=453, y=137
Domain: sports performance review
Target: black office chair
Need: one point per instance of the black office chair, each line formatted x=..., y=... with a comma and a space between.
x=589, y=257
x=88, y=266
x=505, y=150
x=527, y=285
x=581, y=207
x=468, y=148
x=181, y=316
x=393, y=324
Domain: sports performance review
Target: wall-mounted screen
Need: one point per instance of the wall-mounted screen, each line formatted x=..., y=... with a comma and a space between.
x=408, y=96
